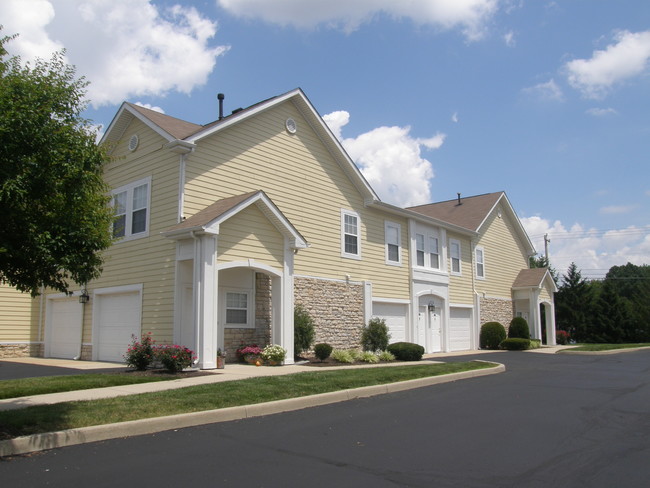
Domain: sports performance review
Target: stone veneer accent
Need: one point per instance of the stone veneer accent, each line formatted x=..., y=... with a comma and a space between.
x=500, y=310
x=261, y=334
x=21, y=350
x=337, y=309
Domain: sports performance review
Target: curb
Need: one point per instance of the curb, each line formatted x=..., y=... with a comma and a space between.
x=602, y=353
x=71, y=437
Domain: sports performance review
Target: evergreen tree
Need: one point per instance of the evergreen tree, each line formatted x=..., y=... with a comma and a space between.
x=572, y=304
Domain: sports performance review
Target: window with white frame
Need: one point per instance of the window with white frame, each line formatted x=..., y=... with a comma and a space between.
x=419, y=249
x=454, y=254
x=480, y=262
x=434, y=253
x=393, y=235
x=427, y=250
x=237, y=309
x=131, y=203
x=350, y=235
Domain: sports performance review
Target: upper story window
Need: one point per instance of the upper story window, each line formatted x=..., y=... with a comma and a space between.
x=393, y=233
x=480, y=262
x=427, y=250
x=131, y=203
x=350, y=235
x=434, y=253
x=454, y=254
x=419, y=249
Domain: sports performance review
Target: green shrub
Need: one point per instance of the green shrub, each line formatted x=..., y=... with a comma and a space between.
x=342, y=356
x=375, y=336
x=515, y=344
x=406, y=351
x=535, y=343
x=174, y=358
x=518, y=328
x=368, y=357
x=386, y=356
x=355, y=354
x=492, y=334
x=140, y=354
x=322, y=351
x=303, y=330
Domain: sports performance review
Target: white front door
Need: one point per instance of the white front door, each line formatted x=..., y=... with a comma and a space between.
x=429, y=330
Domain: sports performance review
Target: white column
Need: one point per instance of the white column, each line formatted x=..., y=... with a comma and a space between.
x=282, y=290
x=205, y=300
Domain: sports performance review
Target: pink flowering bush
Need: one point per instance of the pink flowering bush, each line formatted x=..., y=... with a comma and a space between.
x=140, y=354
x=247, y=350
x=175, y=358
x=562, y=337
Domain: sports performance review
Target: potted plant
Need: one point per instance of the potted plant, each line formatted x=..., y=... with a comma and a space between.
x=221, y=359
x=250, y=354
x=273, y=354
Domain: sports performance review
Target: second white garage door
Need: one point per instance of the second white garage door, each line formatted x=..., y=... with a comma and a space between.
x=64, y=328
x=118, y=319
x=395, y=317
x=460, y=329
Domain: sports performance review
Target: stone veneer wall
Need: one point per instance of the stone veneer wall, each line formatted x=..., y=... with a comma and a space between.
x=21, y=350
x=337, y=309
x=497, y=310
x=261, y=334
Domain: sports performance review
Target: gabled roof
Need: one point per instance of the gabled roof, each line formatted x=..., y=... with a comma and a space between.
x=207, y=221
x=534, y=278
x=174, y=129
x=471, y=213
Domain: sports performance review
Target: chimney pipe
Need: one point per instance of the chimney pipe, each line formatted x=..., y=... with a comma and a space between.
x=220, y=97
x=459, y=202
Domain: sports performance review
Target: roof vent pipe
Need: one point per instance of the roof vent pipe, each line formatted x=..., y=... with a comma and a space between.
x=220, y=97
x=459, y=202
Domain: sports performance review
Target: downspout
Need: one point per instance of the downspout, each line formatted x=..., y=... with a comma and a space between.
x=81, y=339
x=477, y=301
x=181, y=188
x=40, y=315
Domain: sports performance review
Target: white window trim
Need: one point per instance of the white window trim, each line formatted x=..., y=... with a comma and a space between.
x=128, y=236
x=250, y=323
x=427, y=235
x=358, y=235
x=387, y=225
x=476, y=249
x=451, y=258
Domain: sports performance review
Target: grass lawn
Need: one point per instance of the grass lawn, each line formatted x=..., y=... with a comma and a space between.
x=607, y=347
x=56, y=384
x=50, y=418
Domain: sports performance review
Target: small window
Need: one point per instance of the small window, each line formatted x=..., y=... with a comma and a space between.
x=434, y=253
x=419, y=249
x=393, y=237
x=350, y=235
x=131, y=204
x=480, y=262
x=454, y=251
x=236, y=308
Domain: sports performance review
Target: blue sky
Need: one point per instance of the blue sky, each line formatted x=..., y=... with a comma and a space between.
x=547, y=100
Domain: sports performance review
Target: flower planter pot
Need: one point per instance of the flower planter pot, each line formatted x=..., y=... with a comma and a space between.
x=221, y=363
x=251, y=358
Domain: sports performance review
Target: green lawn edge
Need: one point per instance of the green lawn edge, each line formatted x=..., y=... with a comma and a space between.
x=605, y=347
x=43, y=385
x=70, y=415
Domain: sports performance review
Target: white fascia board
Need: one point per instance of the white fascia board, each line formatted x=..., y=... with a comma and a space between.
x=127, y=111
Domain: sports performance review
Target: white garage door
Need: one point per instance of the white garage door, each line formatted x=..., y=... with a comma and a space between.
x=395, y=317
x=460, y=329
x=64, y=334
x=118, y=317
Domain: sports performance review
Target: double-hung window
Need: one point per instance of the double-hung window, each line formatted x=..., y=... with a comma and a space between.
x=132, y=209
x=427, y=250
x=236, y=308
x=350, y=235
x=393, y=237
x=419, y=249
x=480, y=262
x=434, y=253
x=454, y=254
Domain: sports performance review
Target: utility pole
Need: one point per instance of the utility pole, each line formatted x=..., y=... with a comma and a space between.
x=546, y=242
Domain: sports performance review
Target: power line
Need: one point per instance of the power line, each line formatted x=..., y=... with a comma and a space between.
x=583, y=234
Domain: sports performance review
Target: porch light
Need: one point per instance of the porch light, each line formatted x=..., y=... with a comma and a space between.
x=432, y=307
x=84, y=298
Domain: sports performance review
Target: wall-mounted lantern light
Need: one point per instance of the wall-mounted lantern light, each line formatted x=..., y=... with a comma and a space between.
x=432, y=307
x=84, y=297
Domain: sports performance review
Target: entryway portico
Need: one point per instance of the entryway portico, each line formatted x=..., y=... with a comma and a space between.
x=232, y=237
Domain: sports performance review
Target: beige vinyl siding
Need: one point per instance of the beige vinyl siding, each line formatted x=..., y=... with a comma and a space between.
x=545, y=294
x=18, y=316
x=309, y=187
x=505, y=255
x=148, y=260
x=249, y=234
x=460, y=287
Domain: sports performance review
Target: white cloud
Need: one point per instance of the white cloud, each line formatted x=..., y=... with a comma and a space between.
x=593, y=251
x=150, y=107
x=509, y=39
x=617, y=209
x=546, y=91
x=454, y=117
x=626, y=58
x=391, y=160
x=601, y=112
x=124, y=48
x=470, y=15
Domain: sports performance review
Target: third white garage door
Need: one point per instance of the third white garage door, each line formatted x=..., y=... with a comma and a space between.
x=460, y=329
x=118, y=319
x=395, y=316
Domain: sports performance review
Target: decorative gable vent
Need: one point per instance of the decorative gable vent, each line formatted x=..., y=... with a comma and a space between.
x=133, y=142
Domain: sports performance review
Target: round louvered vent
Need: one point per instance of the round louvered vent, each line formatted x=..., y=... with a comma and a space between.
x=133, y=142
x=291, y=126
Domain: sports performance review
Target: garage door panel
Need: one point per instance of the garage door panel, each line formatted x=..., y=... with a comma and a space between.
x=460, y=326
x=65, y=323
x=118, y=317
x=395, y=317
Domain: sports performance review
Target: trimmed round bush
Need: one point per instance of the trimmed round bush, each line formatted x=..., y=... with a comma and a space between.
x=518, y=328
x=406, y=351
x=492, y=334
x=516, y=344
x=375, y=336
x=322, y=351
